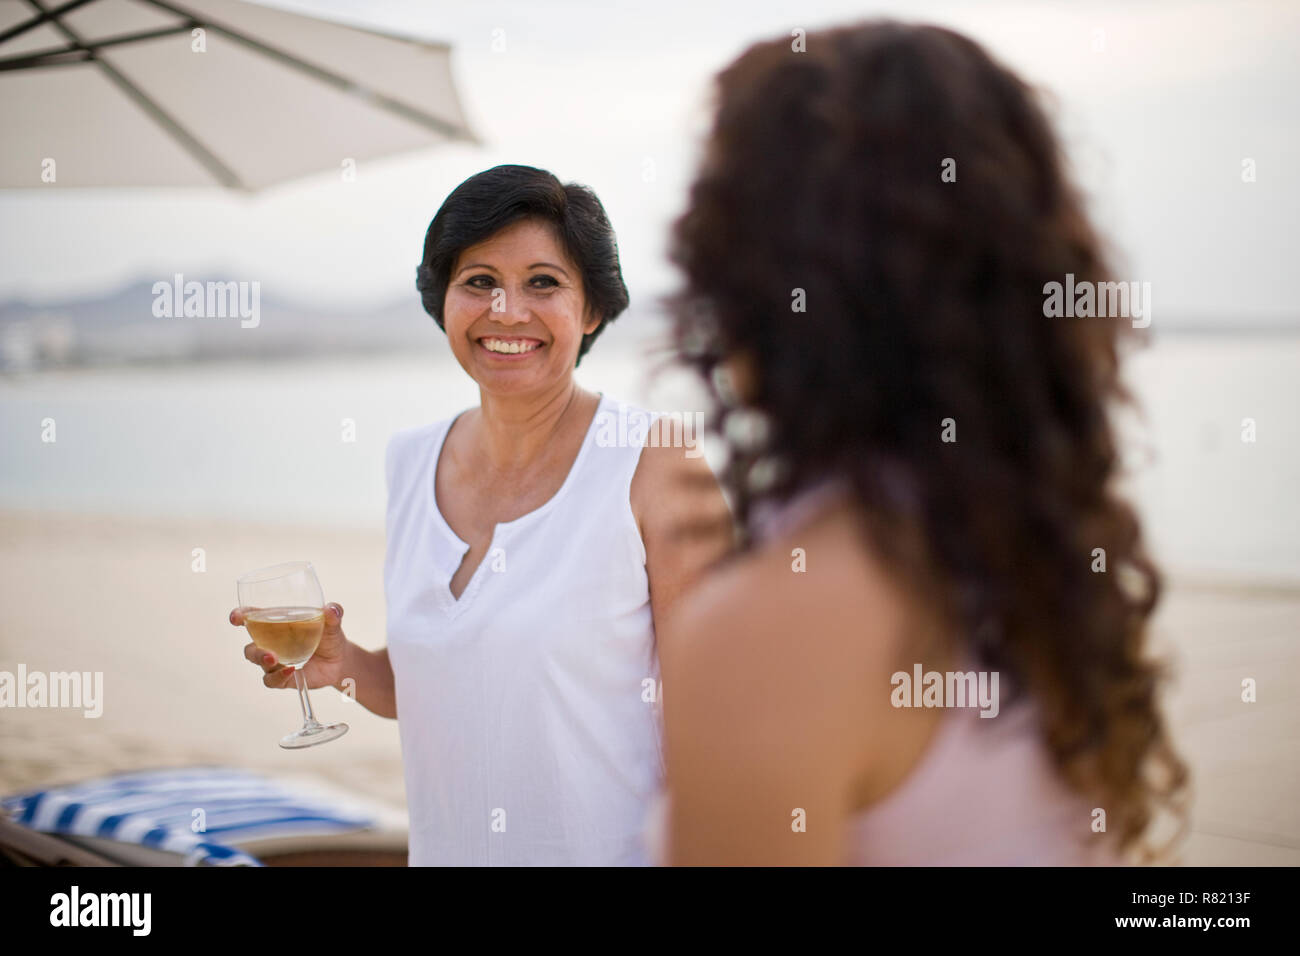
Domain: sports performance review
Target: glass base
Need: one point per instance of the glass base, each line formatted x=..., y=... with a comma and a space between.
x=313, y=734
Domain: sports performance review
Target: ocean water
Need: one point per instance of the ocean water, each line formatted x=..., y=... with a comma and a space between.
x=1215, y=460
x=280, y=442
x=269, y=442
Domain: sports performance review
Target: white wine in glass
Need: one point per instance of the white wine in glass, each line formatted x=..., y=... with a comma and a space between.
x=284, y=613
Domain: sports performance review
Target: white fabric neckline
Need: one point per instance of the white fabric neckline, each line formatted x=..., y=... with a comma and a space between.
x=501, y=529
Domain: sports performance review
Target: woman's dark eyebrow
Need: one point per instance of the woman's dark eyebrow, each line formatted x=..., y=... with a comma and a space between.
x=535, y=265
x=549, y=265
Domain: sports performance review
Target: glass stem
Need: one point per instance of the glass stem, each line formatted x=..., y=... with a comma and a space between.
x=309, y=719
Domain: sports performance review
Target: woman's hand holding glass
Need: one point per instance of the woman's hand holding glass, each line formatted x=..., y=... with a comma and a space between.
x=296, y=638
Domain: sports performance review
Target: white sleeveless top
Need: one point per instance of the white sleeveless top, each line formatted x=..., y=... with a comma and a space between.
x=528, y=708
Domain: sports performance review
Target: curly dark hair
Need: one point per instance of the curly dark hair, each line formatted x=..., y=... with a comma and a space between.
x=489, y=201
x=822, y=185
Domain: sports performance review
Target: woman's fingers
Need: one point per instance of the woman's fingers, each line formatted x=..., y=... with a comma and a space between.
x=279, y=677
x=263, y=658
x=252, y=652
x=274, y=673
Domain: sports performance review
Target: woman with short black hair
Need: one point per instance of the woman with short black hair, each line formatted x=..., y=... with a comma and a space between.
x=484, y=204
x=529, y=558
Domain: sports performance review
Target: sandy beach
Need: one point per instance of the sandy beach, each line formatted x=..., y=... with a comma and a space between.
x=119, y=595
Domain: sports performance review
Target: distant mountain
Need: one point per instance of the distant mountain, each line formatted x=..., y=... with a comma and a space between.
x=123, y=328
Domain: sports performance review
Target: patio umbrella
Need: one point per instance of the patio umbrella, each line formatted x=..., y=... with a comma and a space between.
x=207, y=92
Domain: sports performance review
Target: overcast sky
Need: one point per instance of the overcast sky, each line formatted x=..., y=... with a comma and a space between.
x=1158, y=123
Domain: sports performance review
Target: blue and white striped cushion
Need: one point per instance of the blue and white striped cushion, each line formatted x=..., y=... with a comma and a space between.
x=156, y=808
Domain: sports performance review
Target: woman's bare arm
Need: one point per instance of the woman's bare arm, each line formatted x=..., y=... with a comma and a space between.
x=684, y=520
x=372, y=685
x=366, y=676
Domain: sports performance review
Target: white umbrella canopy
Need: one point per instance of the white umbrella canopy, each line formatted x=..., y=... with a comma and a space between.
x=126, y=93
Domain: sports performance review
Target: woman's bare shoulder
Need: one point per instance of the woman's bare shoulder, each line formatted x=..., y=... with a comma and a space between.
x=812, y=601
x=674, y=490
x=787, y=641
x=668, y=468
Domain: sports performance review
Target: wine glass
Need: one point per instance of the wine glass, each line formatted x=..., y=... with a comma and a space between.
x=284, y=612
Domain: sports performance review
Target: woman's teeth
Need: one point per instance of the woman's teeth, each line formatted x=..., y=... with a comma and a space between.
x=500, y=345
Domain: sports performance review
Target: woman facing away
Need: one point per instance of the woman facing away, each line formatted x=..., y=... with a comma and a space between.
x=923, y=464
x=532, y=551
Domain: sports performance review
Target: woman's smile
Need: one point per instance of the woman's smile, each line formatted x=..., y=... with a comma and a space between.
x=510, y=348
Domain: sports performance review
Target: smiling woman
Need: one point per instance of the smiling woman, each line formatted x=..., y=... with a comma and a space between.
x=508, y=208
x=508, y=304
x=529, y=563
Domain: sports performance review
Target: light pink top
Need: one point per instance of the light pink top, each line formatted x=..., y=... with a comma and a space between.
x=984, y=792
